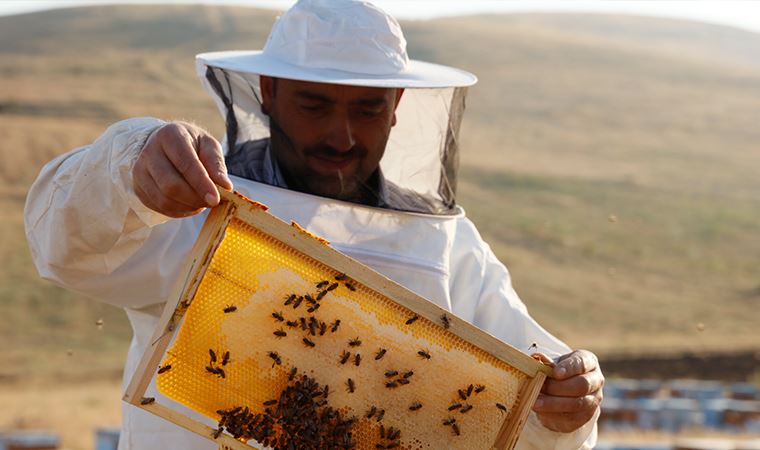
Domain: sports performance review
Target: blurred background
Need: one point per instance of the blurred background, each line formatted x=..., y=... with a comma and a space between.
x=611, y=157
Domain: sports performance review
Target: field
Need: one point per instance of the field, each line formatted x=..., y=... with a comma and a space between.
x=611, y=162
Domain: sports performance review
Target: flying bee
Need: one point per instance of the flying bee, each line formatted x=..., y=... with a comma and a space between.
x=469, y=390
x=147, y=400
x=380, y=353
x=372, y=411
x=344, y=357
x=533, y=346
x=501, y=407
x=280, y=333
x=449, y=421
x=278, y=316
x=308, y=342
x=332, y=286
x=415, y=406
x=226, y=358
x=462, y=394
x=275, y=357
x=230, y=308
x=313, y=307
x=479, y=388
x=446, y=321
x=213, y=355
x=351, y=385
x=391, y=384
x=455, y=406
x=424, y=354
x=290, y=299
x=412, y=319
x=340, y=276
x=355, y=342
x=357, y=359
x=391, y=373
x=465, y=408
x=322, y=284
x=165, y=368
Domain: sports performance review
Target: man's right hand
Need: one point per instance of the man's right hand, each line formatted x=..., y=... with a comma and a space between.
x=177, y=169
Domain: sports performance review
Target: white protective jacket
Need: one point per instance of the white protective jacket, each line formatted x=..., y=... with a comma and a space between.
x=89, y=233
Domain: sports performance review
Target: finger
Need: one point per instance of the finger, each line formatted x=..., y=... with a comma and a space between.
x=212, y=158
x=565, y=422
x=150, y=194
x=172, y=184
x=550, y=404
x=576, y=386
x=575, y=363
x=181, y=151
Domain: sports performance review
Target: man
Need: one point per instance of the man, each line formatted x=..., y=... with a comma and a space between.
x=332, y=126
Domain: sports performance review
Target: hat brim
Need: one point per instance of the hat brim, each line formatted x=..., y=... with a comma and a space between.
x=418, y=74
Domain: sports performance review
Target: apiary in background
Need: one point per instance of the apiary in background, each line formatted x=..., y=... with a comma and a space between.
x=270, y=307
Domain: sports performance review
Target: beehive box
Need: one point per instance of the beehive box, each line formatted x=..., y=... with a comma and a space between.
x=288, y=343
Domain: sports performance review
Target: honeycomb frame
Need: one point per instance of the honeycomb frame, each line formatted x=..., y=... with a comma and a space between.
x=386, y=307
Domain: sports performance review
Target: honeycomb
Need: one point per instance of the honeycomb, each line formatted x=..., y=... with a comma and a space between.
x=240, y=304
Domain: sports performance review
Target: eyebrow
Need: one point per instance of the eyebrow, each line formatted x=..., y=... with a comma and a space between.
x=370, y=101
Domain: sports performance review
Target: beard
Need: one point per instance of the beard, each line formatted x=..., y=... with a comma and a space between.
x=351, y=186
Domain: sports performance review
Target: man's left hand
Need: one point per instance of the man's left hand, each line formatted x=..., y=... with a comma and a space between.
x=572, y=392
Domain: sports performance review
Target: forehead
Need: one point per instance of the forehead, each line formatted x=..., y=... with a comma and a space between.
x=336, y=93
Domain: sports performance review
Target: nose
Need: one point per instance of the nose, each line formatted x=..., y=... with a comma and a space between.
x=340, y=134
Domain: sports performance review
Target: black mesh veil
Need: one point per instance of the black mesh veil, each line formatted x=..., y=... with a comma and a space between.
x=421, y=158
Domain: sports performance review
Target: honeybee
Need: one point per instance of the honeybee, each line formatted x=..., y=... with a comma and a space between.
x=350, y=287
x=290, y=299
x=371, y=412
x=226, y=358
x=165, y=368
x=446, y=321
x=391, y=373
x=462, y=394
x=270, y=402
x=455, y=427
x=355, y=342
x=380, y=353
x=424, y=354
x=501, y=407
x=275, y=357
x=351, y=385
x=332, y=286
x=230, y=308
x=479, y=388
x=449, y=421
x=147, y=400
x=340, y=276
x=415, y=406
x=465, y=408
x=402, y=381
x=391, y=384
x=455, y=406
x=321, y=295
x=280, y=333
x=308, y=342
x=412, y=319
x=278, y=316
x=322, y=284
x=357, y=359
x=213, y=356
x=408, y=374
x=335, y=325
x=217, y=433
x=344, y=357
x=469, y=390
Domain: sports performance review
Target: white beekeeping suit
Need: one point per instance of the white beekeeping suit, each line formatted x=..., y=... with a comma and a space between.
x=90, y=233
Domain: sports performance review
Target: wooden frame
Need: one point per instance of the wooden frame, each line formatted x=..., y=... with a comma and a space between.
x=233, y=205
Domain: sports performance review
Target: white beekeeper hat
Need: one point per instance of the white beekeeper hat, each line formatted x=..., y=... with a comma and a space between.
x=341, y=42
x=351, y=42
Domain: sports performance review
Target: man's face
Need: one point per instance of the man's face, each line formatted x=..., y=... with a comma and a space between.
x=328, y=139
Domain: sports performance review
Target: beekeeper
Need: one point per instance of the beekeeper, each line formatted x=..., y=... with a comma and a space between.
x=330, y=125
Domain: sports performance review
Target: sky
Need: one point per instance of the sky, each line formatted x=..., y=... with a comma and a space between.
x=738, y=13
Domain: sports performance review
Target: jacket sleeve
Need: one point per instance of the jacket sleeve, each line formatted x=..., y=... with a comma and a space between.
x=87, y=229
x=482, y=292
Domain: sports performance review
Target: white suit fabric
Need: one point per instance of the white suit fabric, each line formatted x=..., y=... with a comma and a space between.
x=89, y=233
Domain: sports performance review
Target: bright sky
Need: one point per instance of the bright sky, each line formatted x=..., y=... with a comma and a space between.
x=739, y=13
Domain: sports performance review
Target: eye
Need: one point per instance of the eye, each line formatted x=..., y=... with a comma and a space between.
x=313, y=108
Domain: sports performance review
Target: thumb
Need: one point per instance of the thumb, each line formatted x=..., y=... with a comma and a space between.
x=212, y=158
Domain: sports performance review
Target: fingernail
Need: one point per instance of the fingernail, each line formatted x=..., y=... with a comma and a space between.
x=210, y=199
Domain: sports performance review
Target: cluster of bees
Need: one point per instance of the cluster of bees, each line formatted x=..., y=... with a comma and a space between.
x=301, y=418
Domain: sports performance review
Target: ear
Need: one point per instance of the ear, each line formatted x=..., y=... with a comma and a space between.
x=399, y=93
x=267, y=93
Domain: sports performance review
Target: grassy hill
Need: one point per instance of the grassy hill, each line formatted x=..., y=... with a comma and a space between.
x=576, y=118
